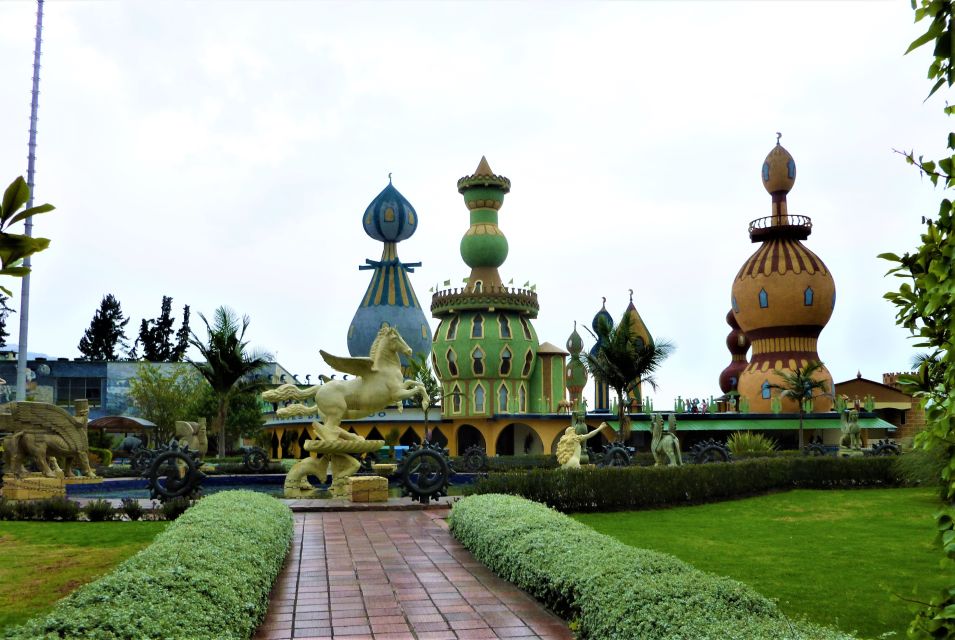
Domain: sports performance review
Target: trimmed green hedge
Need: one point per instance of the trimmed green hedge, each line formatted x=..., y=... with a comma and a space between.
x=614, y=489
x=609, y=590
x=208, y=575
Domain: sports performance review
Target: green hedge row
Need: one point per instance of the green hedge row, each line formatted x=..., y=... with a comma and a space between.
x=612, y=489
x=208, y=575
x=609, y=590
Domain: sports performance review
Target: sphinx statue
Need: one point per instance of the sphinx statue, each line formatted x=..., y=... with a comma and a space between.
x=379, y=382
x=665, y=443
x=569, y=446
x=41, y=431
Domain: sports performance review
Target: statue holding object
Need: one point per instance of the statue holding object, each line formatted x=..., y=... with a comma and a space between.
x=569, y=445
x=379, y=382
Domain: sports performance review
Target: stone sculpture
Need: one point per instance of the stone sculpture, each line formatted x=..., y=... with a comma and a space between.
x=379, y=382
x=41, y=430
x=851, y=429
x=665, y=443
x=192, y=435
x=569, y=445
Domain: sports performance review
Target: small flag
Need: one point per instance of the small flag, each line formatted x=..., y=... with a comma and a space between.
x=431, y=290
x=464, y=280
x=511, y=281
x=447, y=283
x=527, y=284
x=533, y=287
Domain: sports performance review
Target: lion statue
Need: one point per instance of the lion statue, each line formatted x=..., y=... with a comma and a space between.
x=40, y=431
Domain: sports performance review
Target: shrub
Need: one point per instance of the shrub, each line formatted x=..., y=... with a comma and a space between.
x=237, y=468
x=615, y=488
x=132, y=508
x=26, y=510
x=922, y=466
x=208, y=575
x=749, y=442
x=8, y=510
x=172, y=509
x=58, y=509
x=105, y=456
x=99, y=510
x=611, y=590
x=117, y=471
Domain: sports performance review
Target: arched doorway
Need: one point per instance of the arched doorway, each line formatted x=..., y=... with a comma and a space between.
x=374, y=434
x=437, y=437
x=518, y=438
x=409, y=437
x=469, y=436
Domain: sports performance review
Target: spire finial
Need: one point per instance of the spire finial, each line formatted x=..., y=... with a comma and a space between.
x=389, y=177
x=604, y=305
x=778, y=136
x=631, y=296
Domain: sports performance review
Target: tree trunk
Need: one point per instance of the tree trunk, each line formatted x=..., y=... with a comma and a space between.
x=801, y=442
x=220, y=425
x=624, y=434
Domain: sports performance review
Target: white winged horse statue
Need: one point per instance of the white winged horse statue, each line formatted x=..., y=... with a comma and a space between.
x=379, y=383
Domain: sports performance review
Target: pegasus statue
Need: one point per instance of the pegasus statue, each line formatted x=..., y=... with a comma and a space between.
x=41, y=431
x=379, y=382
x=665, y=443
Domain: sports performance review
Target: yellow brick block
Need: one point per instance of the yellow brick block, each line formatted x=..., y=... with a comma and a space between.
x=32, y=487
x=367, y=489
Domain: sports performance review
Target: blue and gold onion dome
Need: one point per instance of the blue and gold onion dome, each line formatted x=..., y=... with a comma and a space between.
x=602, y=316
x=390, y=217
x=389, y=299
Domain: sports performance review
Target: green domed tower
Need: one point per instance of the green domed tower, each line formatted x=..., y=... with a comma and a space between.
x=485, y=348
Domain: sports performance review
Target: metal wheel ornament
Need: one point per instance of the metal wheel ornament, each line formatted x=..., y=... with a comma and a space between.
x=710, y=451
x=475, y=459
x=615, y=455
x=814, y=449
x=174, y=473
x=141, y=458
x=255, y=459
x=425, y=472
x=886, y=448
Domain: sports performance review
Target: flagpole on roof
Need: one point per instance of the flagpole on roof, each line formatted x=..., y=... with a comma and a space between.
x=28, y=230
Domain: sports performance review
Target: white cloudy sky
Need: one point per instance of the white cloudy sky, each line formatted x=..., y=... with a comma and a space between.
x=223, y=153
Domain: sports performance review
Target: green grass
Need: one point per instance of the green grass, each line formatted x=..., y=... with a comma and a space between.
x=41, y=562
x=840, y=558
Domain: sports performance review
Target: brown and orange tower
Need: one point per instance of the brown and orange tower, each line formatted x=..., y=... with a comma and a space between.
x=783, y=296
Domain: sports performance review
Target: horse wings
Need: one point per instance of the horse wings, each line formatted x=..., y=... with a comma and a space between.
x=355, y=366
x=39, y=417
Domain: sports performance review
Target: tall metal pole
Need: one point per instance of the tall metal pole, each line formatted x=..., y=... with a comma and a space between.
x=31, y=165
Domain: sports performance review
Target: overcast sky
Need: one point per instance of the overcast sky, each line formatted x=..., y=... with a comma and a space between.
x=223, y=153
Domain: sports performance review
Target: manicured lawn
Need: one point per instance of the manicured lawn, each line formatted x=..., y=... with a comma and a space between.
x=841, y=558
x=40, y=562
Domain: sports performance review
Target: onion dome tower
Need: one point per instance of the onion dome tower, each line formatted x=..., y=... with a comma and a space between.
x=638, y=329
x=738, y=345
x=390, y=298
x=485, y=348
x=576, y=372
x=783, y=295
x=601, y=390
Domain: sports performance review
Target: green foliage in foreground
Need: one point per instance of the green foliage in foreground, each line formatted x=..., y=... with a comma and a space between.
x=610, y=590
x=614, y=488
x=43, y=561
x=845, y=558
x=207, y=576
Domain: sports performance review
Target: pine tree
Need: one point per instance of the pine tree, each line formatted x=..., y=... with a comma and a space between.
x=156, y=335
x=4, y=312
x=106, y=332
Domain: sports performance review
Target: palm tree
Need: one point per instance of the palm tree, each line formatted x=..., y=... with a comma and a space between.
x=228, y=366
x=420, y=370
x=623, y=361
x=799, y=386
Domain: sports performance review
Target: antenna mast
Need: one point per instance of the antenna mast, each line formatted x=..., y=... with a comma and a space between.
x=31, y=166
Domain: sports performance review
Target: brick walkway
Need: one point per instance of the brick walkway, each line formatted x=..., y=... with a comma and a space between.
x=394, y=575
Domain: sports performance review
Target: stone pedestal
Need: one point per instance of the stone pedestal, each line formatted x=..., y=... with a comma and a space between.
x=384, y=470
x=32, y=487
x=367, y=489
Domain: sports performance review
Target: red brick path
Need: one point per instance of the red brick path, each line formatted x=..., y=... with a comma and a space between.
x=394, y=575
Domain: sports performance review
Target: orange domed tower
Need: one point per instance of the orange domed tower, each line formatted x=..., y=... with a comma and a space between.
x=783, y=296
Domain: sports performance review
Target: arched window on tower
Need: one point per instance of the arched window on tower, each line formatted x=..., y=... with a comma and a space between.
x=522, y=399
x=452, y=362
x=526, y=328
x=452, y=328
x=434, y=361
x=506, y=356
x=505, y=325
x=766, y=390
x=479, y=399
x=456, y=399
x=477, y=327
x=528, y=363
x=477, y=362
x=807, y=297
x=763, y=299
x=735, y=304
x=502, y=399
x=478, y=286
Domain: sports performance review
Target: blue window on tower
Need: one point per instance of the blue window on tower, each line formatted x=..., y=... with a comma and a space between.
x=807, y=297
x=833, y=299
x=766, y=390
x=763, y=299
x=735, y=304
